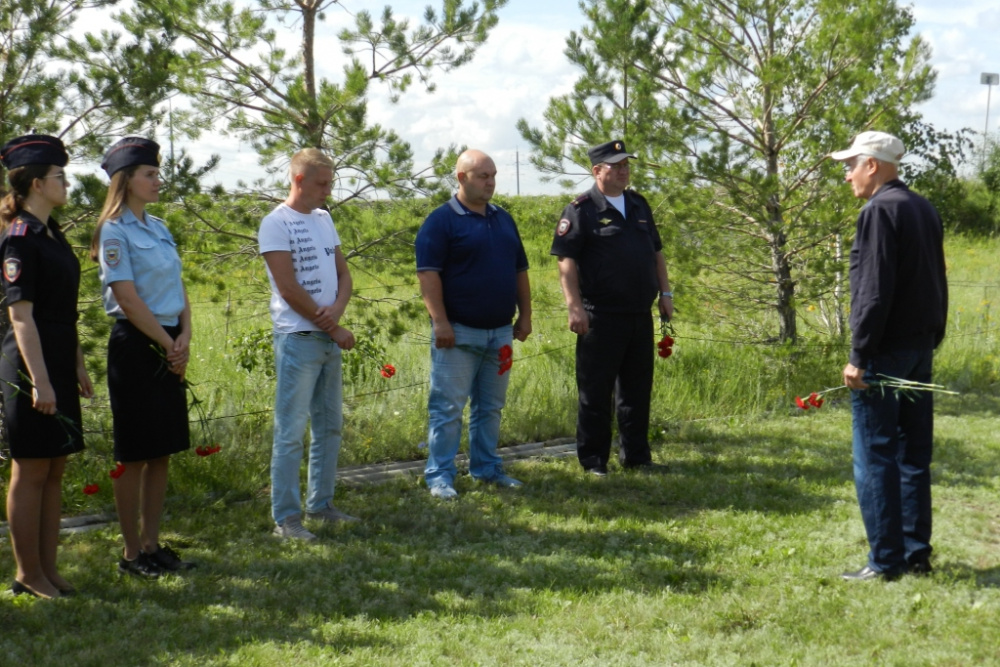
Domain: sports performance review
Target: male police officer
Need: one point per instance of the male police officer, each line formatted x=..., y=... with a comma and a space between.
x=611, y=269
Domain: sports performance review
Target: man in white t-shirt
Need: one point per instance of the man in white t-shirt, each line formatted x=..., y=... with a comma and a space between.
x=310, y=287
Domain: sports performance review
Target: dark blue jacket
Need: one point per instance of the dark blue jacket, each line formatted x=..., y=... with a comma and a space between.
x=899, y=293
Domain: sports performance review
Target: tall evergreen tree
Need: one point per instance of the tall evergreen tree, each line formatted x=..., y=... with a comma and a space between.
x=238, y=71
x=746, y=97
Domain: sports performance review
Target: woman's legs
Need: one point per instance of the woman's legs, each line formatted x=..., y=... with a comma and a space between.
x=140, y=492
x=51, y=511
x=154, y=494
x=25, y=500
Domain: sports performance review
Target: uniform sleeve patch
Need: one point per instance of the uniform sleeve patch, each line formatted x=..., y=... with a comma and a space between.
x=12, y=269
x=112, y=252
x=563, y=227
x=19, y=228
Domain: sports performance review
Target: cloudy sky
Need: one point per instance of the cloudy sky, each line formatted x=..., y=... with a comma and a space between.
x=522, y=66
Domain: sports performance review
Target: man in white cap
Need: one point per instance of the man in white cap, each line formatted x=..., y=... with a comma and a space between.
x=899, y=304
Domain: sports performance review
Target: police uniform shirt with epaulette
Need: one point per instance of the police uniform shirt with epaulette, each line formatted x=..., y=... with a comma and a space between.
x=615, y=255
x=40, y=268
x=145, y=253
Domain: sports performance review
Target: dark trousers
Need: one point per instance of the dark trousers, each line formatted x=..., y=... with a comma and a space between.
x=614, y=366
x=893, y=444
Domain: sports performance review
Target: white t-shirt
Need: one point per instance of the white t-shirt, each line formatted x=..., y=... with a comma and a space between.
x=312, y=240
x=618, y=202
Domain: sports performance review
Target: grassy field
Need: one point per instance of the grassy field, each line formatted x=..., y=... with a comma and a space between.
x=731, y=558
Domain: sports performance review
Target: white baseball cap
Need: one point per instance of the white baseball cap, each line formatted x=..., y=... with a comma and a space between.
x=878, y=145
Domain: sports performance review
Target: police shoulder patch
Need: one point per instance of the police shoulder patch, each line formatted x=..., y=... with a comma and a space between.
x=112, y=252
x=582, y=198
x=12, y=269
x=18, y=227
x=564, y=227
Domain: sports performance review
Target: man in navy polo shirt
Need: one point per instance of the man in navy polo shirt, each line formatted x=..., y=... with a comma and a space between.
x=473, y=275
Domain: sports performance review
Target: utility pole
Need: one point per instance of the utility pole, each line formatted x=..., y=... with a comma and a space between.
x=517, y=168
x=989, y=80
x=173, y=162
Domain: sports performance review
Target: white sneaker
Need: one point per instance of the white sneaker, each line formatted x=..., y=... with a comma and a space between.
x=292, y=529
x=331, y=514
x=444, y=491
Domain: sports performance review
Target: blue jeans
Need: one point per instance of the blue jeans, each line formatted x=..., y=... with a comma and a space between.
x=309, y=387
x=893, y=444
x=470, y=370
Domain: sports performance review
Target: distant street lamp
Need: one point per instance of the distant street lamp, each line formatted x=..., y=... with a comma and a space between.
x=990, y=80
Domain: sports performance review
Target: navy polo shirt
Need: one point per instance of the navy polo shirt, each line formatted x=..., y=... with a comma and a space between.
x=478, y=258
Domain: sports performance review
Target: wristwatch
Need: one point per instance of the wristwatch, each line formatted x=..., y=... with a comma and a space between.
x=670, y=294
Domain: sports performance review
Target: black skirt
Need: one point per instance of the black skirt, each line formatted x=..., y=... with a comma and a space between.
x=30, y=434
x=148, y=402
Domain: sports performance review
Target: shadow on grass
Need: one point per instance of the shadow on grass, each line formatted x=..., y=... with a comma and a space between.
x=986, y=578
x=492, y=553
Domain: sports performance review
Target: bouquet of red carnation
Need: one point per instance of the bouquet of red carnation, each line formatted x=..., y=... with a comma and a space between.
x=665, y=347
x=506, y=359
x=904, y=388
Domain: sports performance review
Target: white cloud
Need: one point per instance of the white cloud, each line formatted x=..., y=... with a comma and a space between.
x=522, y=66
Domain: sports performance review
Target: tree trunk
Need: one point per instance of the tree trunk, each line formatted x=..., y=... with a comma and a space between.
x=313, y=130
x=784, y=287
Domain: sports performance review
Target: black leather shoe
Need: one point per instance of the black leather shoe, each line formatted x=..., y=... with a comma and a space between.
x=920, y=567
x=597, y=471
x=169, y=560
x=867, y=574
x=17, y=588
x=143, y=566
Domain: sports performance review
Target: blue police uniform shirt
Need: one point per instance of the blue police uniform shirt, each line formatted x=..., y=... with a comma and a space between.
x=146, y=254
x=478, y=258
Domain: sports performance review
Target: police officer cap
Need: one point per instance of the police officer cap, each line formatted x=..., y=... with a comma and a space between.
x=611, y=152
x=33, y=149
x=131, y=151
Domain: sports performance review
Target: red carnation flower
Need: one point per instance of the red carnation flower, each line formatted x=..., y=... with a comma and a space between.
x=91, y=489
x=207, y=450
x=388, y=371
x=802, y=404
x=118, y=471
x=815, y=400
x=506, y=352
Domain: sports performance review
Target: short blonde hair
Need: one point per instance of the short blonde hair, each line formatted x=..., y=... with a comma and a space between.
x=308, y=158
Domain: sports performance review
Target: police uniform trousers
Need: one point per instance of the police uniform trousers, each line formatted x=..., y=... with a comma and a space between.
x=148, y=402
x=614, y=367
x=30, y=434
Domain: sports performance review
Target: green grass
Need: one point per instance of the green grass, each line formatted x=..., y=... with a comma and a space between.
x=730, y=559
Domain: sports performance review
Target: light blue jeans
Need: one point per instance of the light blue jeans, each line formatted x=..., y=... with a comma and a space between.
x=467, y=372
x=309, y=388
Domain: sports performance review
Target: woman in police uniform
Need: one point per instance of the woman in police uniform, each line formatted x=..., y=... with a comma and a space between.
x=147, y=352
x=41, y=367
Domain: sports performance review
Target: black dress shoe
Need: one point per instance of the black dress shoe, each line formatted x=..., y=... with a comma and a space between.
x=920, y=567
x=597, y=471
x=867, y=574
x=17, y=588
